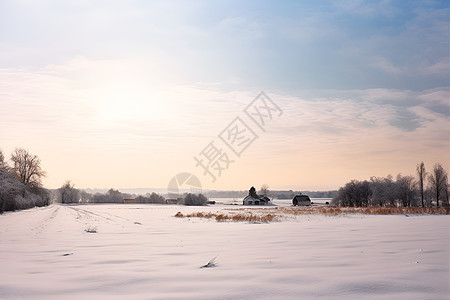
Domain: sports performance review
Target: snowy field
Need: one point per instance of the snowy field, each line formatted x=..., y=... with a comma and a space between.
x=144, y=252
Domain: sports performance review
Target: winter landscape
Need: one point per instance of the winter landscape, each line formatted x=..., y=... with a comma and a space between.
x=257, y=149
x=144, y=252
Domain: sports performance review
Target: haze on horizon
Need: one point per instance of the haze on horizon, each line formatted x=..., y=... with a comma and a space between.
x=125, y=94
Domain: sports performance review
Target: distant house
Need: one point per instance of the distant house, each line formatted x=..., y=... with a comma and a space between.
x=254, y=199
x=249, y=200
x=301, y=200
x=128, y=201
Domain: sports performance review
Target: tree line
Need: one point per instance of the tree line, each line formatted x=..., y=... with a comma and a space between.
x=21, y=188
x=68, y=194
x=21, y=181
x=426, y=189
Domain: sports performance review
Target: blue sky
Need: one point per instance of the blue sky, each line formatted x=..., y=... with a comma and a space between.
x=148, y=84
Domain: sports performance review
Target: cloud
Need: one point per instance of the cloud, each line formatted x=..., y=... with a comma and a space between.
x=367, y=9
x=359, y=80
x=386, y=66
x=349, y=45
x=328, y=128
x=240, y=26
x=358, y=120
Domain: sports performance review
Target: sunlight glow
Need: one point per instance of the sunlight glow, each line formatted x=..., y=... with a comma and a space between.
x=129, y=105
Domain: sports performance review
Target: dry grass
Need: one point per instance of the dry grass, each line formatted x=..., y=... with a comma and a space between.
x=265, y=215
x=334, y=211
x=240, y=217
x=91, y=229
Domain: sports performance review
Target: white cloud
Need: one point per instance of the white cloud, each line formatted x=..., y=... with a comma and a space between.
x=141, y=78
x=240, y=26
x=386, y=66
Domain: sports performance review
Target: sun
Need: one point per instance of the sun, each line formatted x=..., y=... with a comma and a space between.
x=121, y=105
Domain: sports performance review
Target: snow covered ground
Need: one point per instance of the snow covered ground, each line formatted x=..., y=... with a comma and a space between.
x=144, y=252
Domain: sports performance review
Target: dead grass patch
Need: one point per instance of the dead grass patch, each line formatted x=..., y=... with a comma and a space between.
x=335, y=211
x=240, y=217
x=265, y=215
x=91, y=229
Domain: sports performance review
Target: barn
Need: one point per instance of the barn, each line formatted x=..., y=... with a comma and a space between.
x=301, y=200
x=249, y=200
x=128, y=201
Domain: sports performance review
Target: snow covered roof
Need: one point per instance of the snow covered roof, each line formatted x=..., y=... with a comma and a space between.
x=302, y=198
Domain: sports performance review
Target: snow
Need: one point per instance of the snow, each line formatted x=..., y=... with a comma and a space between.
x=144, y=252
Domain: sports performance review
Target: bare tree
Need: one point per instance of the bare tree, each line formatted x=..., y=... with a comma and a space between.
x=428, y=197
x=27, y=167
x=406, y=188
x=384, y=191
x=354, y=193
x=422, y=175
x=439, y=181
x=446, y=195
x=264, y=190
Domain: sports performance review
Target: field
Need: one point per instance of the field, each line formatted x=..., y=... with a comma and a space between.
x=146, y=252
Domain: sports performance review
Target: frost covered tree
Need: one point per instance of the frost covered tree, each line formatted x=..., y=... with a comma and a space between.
x=115, y=196
x=384, y=191
x=3, y=164
x=406, y=189
x=10, y=190
x=439, y=183
x=354, y=193
x=85, y=196
x=192, y=199
x=27, y=167
x=14, y=194
x=68, y=193
x=112, y=196
x=422, y=173
x=152, y=198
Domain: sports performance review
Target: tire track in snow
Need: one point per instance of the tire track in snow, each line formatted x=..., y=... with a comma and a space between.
x=100, y=218
x=83, y=213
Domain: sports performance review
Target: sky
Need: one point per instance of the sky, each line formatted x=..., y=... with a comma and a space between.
x=129, y=94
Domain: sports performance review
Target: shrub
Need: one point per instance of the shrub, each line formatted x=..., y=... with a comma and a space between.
x=91, y=229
